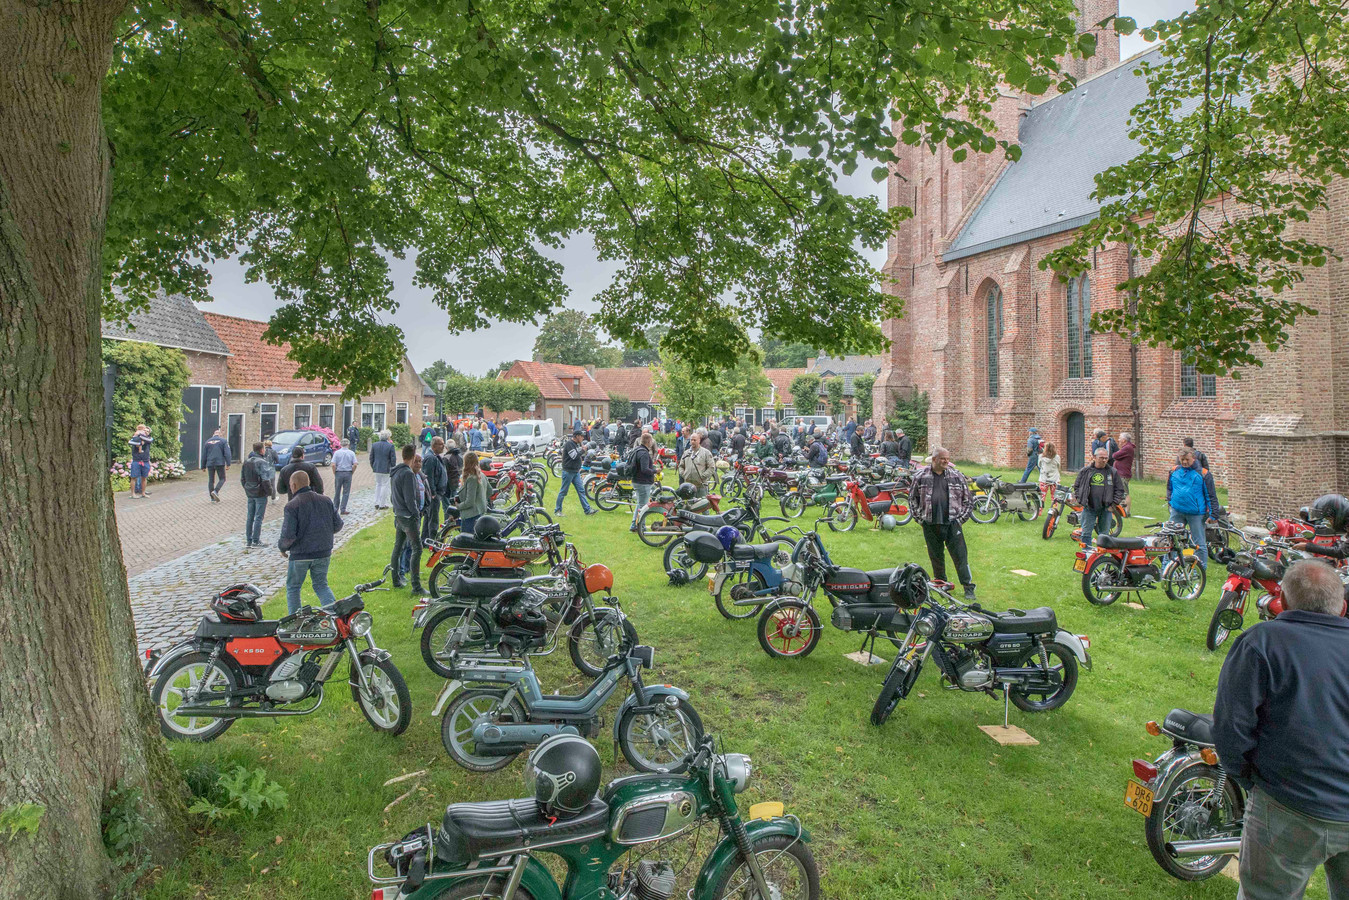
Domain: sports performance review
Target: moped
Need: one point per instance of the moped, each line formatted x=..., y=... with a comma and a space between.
x=995, y=497
x=507, y=556
x=1063, y=496
x=680, y=564
x=1261, y=563
x=871, y=502
x=814, y=487
x=487, y=850
x=1122, y=565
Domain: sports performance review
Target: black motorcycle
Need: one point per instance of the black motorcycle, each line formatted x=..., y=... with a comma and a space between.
x=1022, y=653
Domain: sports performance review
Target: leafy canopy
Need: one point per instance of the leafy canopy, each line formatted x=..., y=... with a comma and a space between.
x=861, y=389
x=572, y=337
x=1242, y=130
x=780, y=354
x=697, y=143
x=805, y=390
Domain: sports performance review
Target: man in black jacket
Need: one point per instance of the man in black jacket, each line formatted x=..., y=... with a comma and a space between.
x=738, y=442
x=437, y=482
x=1099, y=487
x=307, y=541
x=353, y=435
x=905, y=447
x=453, y=460
x=255, y=477
x=1281, y=726
x=405, y=488
x=782, y=444
x=216, y=458
x=297, y=464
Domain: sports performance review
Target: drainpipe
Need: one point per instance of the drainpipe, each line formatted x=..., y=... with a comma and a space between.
x=1132, y=306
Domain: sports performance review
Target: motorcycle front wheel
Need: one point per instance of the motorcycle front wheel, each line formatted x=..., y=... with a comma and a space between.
x=596, y=635
x=986, y=510
x=453, y=631
x=677, y=558
x=660, y=741
x=388, y=706
x=466, y=711
x=788, y=866
x=1185, y=813
x=894, y=689
x=793, y=504
x=179, y=682
x=842, y=516
x=1041, y=699
x=1106, y=570
x=740, y=586
x=789, y=630
x=1185, y=579
x=606, y=498
x=1217, y=633
x=1051, y=523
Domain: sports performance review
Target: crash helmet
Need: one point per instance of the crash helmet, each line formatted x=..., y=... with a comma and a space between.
x=1333, y=508
x=908, y=586
x=487, y=528
x=686, y=491
x=517, y=614
x=598, y=577
x=240, y=602
x=888, y=523
x=563, y=774
x=728, y=535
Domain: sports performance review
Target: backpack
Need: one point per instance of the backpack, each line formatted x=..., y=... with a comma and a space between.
x=627, y=466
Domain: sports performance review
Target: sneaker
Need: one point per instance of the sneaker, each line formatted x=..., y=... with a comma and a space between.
x=633, y=528
x=214, y=498
x=419, y=591
x=590, y=512
x=145, y=493
x=557, y=512
x=969, y=593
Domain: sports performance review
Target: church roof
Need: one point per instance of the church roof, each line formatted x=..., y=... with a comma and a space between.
x=1065, y=142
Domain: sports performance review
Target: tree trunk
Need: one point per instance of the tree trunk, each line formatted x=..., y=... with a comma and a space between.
x=75, y=718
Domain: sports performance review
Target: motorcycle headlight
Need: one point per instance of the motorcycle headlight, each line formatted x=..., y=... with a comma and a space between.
x=925, y=625
x=738, y=769
x=361, y=623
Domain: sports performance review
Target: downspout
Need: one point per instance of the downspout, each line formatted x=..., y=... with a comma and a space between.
x=1132, y=307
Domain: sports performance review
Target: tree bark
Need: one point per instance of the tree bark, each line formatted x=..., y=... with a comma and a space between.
x=75, y=718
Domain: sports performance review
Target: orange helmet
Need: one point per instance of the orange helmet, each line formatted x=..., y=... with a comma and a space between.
x=598, y=578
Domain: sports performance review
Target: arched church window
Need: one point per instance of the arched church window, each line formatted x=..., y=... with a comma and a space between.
x=993, y=320
x=1079, y=327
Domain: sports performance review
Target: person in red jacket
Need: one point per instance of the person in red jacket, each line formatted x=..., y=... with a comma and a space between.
x=1123, y=458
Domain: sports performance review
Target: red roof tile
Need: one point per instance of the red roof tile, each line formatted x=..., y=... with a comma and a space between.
x=256, y=365
x=782, y=381
x=554, y=380
x=633, y=382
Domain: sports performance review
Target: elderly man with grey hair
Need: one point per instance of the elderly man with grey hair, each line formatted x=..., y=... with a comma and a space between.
x=1281, y=729
x=382, y=460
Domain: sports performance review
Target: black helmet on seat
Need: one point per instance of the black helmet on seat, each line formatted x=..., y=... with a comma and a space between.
x=563, y=774
x=487, y=528
x=686, y=491
x=908, y=586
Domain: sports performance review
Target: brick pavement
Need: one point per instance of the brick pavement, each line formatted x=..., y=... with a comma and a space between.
x=186, y=551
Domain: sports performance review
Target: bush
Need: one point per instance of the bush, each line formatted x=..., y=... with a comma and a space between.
x=366, y=439
x=149, y=388
x=665, y=439
x=241, y=790
x=911, y=415
x=402, y=435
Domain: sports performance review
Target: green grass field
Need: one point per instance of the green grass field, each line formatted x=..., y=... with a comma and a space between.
x=925, y=806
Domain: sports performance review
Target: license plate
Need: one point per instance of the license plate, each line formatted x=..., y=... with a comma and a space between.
x=1188, y=551
x=1138, y=797
x=742, y=565
x=1079, y=565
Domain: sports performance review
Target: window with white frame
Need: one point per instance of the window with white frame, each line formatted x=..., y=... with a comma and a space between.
x=303, y=411
x=326, y=415
x=400, y=413
x=372, y=416
x=426, y=411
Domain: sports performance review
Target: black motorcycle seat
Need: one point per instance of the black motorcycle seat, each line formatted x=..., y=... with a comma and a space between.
x=753, y=551
x=1040, y=620
x=1120, y=543
x=464, y=541
x=451, y=512
x=836, y=479
x=891, y=486
x=470, y=586
x=1192, y=726
x=219, y=630
x=473, y=831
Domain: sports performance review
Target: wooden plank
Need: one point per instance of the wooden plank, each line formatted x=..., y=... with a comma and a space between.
x=1011, y=736
x=1023, y=573
x=862, y=658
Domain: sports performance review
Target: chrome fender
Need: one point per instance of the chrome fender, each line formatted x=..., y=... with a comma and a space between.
x=1073, y=643
x=660, y=690
x=1170, y=766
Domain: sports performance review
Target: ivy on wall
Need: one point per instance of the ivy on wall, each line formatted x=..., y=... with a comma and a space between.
x=149, y=388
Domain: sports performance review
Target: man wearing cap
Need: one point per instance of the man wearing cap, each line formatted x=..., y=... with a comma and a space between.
x=573, y=454
x=1032, y=453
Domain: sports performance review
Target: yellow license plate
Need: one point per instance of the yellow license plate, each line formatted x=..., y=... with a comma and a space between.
x=768, y=809
x=1188, y=551
x=1079, y=565
x=1138, y=797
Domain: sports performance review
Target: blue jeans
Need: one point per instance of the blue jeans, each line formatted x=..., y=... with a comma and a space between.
x=569, y=479
x=253, y=524
x=317, y=569
x=1097, y=520
x=1195, y=522
x=641, y=496
x=341, y=490
x=1031, y=465
x=466, y=525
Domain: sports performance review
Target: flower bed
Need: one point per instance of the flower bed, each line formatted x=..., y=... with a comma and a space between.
x=160, y=470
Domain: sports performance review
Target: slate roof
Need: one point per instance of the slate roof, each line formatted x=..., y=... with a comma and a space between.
x=847, y=366
x=171, y=320
x=1065, y=142
x=633, y=382
x=257, y=365
x=548, y=377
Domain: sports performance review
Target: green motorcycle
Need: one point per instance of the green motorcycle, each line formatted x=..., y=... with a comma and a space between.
x=486, y=850
x=813, y=489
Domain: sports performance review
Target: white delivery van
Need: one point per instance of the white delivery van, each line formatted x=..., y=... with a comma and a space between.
x=821, y=423
x=536, y=434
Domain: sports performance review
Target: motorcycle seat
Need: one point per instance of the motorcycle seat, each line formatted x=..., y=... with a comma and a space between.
x=1191, y=726
x=217, y=630
x=729, y=517
x=1120, y=543
x=1025, y=486
x=464, y=541
x=890, y=486
x=451, y=511
x=1040, y=620
x=753, y=551
x=473, y=831
x=836, y=479
x=470, y=586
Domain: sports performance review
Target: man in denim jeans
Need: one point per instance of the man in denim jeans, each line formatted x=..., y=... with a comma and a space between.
x=307, y=541
x=1281, y=726
x=256, y=480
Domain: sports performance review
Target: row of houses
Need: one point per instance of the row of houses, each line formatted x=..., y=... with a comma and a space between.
x=251, y=388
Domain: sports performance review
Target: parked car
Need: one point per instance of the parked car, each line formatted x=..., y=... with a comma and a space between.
x=821, y=423
x=316, y=449
x=535, y=433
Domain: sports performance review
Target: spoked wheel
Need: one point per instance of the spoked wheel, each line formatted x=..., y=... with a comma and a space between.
x=842, y=516
x=463, y=714
x=1062, y=679
x=788, y=867
x=596, y=635
x=1219, y=542
x=1030, y=515
x=606, y=498
x=654, y=528
x=660, y=741
x=538, y=517
x=733, y=488
x=452, y=632
x=387, y=705
x=176, y=686
x=1185, y=579
x=740, y=586
x=1193, y=809
x=986, y=510
x=789, y=629
x=677, y=559
x=793, y=505
x=1101, y=575
x=1116, y=523
x=438, y=582
x=1217, y=631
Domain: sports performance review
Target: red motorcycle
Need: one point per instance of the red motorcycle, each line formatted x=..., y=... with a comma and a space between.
x=662, y=518
x=239, y=666
x=1123, y=565
x=511, y=488
x=665, y=456
x=1063, y=496
x=871, y=502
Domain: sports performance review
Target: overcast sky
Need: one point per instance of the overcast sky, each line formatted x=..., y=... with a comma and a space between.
x=425, y=326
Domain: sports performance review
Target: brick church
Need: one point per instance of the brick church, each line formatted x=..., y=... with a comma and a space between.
x=1000, y=345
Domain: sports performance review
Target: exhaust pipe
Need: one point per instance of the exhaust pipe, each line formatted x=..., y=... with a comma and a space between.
x=1212, y=847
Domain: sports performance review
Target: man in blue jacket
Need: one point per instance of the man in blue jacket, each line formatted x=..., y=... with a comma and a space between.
x=307, y=541
x=1032, y=453
x=382, y=461
x=216, y=459
x=1193, y=498
x=1281, y=729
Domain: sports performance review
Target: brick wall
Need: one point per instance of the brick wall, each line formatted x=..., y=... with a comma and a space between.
x=207, y=368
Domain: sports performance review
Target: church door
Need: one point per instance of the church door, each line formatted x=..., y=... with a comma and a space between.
x=1075, y=438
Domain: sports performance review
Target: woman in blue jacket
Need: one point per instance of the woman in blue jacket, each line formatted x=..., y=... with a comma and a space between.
x=1193, y=498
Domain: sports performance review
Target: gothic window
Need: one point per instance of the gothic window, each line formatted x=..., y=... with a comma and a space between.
x=1195, y=384
x=993, y=330
x=1079, y=327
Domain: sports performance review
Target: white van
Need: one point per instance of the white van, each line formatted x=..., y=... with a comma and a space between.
x=821, y=423
x=534, y=433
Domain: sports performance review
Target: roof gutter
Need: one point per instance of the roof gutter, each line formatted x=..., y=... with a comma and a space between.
x=1020, y=237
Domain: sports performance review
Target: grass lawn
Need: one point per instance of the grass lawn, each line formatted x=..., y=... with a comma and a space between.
x=925, y=806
